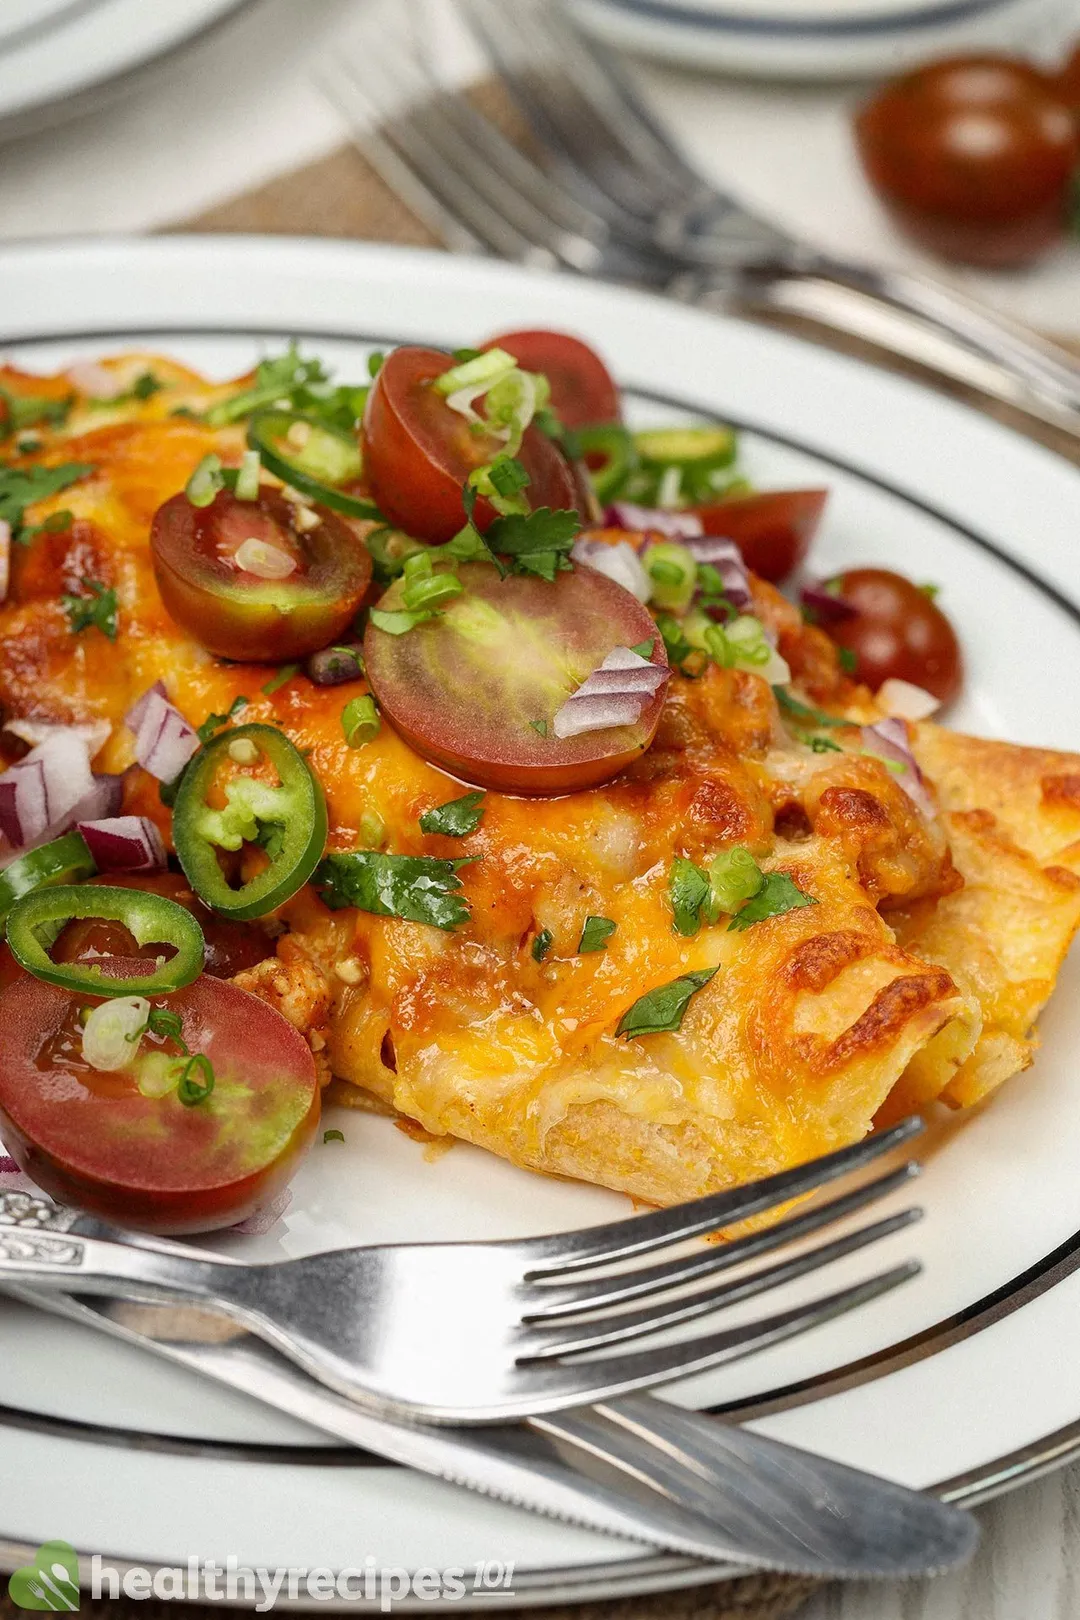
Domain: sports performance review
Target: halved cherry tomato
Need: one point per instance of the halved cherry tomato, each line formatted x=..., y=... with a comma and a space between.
x=241, y=615
x=418, y=452
x=583, y=391
x=231, y=947
x=773, y=530
x=974, y=157
x=896, y=631
x=141, y=1156
x=476, y=689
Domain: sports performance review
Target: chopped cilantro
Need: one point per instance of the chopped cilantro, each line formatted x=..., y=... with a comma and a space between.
x=144, y=387
x=280, y=378
x=457, y=818
x=848, y=660
x=214, y=722
x=645, y=649
x=30, y=410
x=662, y=1010
x=415, y=887
x=778, y=894
x=97, y=610
x=932, y=591
x=20, y=487
x=540, y=727
x=55, y=523
x=333, y=1136
x=595, y=934
x=539, y=543
x=824, y=745
x=688, y=889
x=375, y=362
x=542, y=944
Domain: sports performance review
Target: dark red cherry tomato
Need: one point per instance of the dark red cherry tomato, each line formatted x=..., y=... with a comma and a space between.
x=475, y=690
x=773, y=530
x=974, y=157
x=123, y=1144
x=583, y=391
x=896, y=632
x=239, y=614
x=418, y=452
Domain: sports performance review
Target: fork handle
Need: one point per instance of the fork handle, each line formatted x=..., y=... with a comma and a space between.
x=51, y=1247
x=763, y=1495
x=917, y=320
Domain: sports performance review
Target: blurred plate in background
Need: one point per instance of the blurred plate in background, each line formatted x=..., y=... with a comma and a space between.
x=823, y=39
x=61, y=57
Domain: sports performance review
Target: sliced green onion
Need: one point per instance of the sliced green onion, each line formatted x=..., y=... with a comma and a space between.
x=196, y=1080
x=206, y=481
x=734, y=876
x=479, y=373
x=360, y=721
x=247, y=479
x=672, y=570
x=431, y=593
x=112, y=1033
x=397, y=622
x=333, y=1136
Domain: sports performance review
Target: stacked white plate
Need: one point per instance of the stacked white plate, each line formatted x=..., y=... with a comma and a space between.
x=59, y=57
x=824, y=39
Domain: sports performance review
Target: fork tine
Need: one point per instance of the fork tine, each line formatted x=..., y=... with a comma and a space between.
x=599, y=1245
x=619, y=1328
x=644, y=1368
x=548, y=1302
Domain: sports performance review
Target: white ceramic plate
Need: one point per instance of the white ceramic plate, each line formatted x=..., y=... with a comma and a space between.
x=821, y=39
x=59, y=57
x=968, y=1374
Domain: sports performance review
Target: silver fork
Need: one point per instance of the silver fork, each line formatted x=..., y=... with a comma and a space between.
x=519, y=1331
x=609, y=194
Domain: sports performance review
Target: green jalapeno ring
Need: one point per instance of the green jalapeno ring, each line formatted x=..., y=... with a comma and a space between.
x=614, y=449
x=266, y=433
x=302, y=825
x=65, y=860
x=36, y=920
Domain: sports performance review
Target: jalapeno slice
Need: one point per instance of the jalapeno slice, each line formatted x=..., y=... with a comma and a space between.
x=610, y=455
x=65, y=860
x=36, y=920
x=287, y=819
x=311, y=457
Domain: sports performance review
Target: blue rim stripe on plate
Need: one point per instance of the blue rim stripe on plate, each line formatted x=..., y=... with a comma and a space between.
x=690, y=16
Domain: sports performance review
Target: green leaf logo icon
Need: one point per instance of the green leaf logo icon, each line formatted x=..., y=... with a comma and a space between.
x=50, y=1583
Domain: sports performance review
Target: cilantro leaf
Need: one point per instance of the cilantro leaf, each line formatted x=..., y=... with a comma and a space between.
x=595, y=934
x=214, y=722
x=539, y=543
x=21, y=486
x=415, y=887
x=542, y=944
x=98, y=609
x=848, y=659
x=779, y=893
x=284, y=377
x=457, y=818
x=688, y=889
x=662, y=1010
x=145, y=386
x=55, y=523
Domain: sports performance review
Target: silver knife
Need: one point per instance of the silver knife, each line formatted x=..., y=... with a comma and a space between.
x=639, y=1469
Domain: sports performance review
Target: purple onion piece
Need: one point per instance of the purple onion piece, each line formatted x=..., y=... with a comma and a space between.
x=39, y=794
x=829, y=609
x=133, y=718
x=676, y=525
x=620, y=562
x=725, y=556
x=164, y=742
x=615, y=694
x=888, y=740
x=266, y=1217
x=335, y=665
x=124, y=844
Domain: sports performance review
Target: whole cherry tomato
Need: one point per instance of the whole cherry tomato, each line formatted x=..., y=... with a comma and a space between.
x=974, y=157
x=895, y=630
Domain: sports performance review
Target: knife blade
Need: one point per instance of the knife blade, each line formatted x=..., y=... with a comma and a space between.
x=640, y=1469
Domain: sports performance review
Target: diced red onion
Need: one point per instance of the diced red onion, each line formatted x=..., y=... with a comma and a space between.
x=14, y=1180
x=90, y=378
x=727, y=559
x=615, y=694
x=676, y=525
x=266, y=1217
x=164, y=742
x=619, y=562
x=39, y=793
x=5, y=559
x=124, y=844
x=829, y=609
x=888, y=740
x=905, y=701
x=35, y=732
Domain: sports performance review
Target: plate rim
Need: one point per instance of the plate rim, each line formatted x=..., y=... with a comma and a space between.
x=865, y=25
x=1012, y=1468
